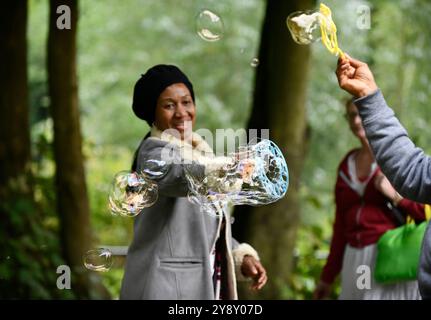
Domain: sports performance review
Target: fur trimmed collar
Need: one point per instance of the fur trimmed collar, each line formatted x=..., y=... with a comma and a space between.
x=197, y=143
x=196, y=150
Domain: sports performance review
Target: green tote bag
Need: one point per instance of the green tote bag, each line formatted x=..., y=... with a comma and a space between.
x=398, y=253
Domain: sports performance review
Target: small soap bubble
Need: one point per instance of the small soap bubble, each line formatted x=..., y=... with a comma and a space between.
x=98, y=260
x=130, y=193
x=254, y=62
x=155, y=169
x=209, y=26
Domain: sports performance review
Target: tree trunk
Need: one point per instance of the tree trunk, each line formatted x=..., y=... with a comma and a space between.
x=16, y=190
x=72, y=199
x=279, y=104
x=25, y=270
x=14, y=123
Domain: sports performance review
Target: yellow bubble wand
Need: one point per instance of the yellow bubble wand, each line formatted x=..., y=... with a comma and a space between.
x=328, y=30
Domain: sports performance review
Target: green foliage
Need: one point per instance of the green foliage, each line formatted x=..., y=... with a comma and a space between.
x=310, y=256
x=108, y=229
x=112, y=279
x=30, y=256
x=401, y=63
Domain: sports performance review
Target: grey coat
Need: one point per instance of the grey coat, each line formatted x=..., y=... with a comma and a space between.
x=169, y=257
x=405, y=165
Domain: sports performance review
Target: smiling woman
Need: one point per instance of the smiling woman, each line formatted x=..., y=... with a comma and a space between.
x=180, y=251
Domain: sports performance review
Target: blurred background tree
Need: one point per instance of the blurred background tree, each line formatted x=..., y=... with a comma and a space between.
x=71, y=188
x=279, y=104
x=116, y=42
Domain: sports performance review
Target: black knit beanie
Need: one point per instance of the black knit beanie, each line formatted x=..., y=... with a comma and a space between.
x=151, y=84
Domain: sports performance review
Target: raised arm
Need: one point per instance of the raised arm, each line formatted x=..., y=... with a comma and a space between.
x=405, y=165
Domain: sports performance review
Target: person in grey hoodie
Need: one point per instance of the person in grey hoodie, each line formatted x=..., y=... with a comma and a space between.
x=406, y=166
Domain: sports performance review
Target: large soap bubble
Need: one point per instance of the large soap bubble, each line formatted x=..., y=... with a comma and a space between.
x=130, y=193
x=255, y=175
x=254, y=62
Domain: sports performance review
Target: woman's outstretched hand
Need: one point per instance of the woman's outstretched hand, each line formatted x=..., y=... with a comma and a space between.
x=252, y=268
x=355, y=77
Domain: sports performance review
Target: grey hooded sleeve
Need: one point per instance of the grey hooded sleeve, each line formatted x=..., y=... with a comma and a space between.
x=405, y=165
x=170, y=174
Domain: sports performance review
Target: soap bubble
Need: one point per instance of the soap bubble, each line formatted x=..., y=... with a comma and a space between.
x=304, y=26
x=209, y=26
x=154, y=169
x=130, y=193
x=255, y=175
x=98, y=260
x=254, y=62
